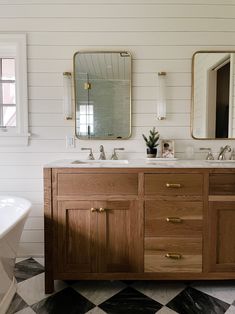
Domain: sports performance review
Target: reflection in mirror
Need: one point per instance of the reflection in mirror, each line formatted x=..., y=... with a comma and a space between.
x=102, y=95
x=213, y=114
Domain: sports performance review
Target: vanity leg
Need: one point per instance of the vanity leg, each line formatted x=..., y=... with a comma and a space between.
x=49, y=284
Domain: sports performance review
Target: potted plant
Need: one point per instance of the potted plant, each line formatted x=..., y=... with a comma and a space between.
x=152, y=143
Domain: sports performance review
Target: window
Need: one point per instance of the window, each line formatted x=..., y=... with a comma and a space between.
x=7, y=93
x=86, y=117
x=13, y=90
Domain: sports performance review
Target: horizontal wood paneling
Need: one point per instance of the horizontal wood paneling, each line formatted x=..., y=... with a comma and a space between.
x=162, y=35
x=114, y=10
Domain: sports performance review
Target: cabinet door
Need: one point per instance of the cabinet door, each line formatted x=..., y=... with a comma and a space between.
x=222, y=236
x=120, y=236
x=76, y=234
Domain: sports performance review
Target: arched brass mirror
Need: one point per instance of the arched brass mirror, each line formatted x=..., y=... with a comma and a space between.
x=213, y=102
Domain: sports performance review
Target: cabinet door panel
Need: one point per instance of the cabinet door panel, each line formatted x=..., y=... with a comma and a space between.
x=76, y=234
x=222, y=239
x=120, y=240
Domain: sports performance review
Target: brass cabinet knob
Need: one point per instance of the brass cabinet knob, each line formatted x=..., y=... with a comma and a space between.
x=101, y=210
x=173, y=185
x=173, y=255
x=174, y=219
x=93, y=209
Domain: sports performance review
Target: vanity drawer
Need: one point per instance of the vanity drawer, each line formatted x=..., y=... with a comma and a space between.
x=166, y=218
x=173, y=184
x=173, y=255
x=222, y=184
x=97, y=183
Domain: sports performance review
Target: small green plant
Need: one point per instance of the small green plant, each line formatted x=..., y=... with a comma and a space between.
x=152, y=140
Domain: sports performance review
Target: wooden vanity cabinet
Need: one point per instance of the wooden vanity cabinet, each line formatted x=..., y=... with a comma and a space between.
x=173, y=222
x=221, y=222
x=107, y=223
x=97, y=237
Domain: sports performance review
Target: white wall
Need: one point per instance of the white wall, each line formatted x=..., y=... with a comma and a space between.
x=162, y=35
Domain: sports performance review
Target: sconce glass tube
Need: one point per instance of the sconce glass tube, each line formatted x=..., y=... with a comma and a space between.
x=161, y=104
x=67, y=96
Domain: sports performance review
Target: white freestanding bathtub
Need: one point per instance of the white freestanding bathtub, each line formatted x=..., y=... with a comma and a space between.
x=13, y=214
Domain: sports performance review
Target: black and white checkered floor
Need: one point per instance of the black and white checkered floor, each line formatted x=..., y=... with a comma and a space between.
x=117, y=297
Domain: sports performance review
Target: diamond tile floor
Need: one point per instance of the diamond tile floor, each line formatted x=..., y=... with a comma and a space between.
x=117, y=297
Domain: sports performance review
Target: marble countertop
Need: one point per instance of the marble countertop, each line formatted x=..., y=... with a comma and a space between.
x=141, y=163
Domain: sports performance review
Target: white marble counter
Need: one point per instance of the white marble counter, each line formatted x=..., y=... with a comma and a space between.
x=67, y=163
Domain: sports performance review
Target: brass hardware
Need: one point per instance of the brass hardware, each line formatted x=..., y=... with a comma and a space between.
x=87, y=85
x=173, y=255
x=101, y=210
x=173, y=185
x=174, y=219
x=161, y=73
x=93, y=209
x=67, y=73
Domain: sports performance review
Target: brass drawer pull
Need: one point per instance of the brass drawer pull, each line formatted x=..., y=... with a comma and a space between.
x=101, y=210
x=173, y=255
x=174, y=219
x=93, y=209
x=173, y=185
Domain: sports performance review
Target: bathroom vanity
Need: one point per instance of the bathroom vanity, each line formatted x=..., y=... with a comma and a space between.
x=161, y=221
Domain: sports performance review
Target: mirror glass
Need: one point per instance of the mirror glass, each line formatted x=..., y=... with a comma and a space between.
x=213, y=103
x=103, y=95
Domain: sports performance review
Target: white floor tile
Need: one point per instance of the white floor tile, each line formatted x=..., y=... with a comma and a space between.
x=160, y=292
x=223, y=290
x=96, y=310
x=27, y=310
x=32, y=290
x=166, y=310
x=40, y=260
x=230, y=310
x=20, y=259
x=98, y=291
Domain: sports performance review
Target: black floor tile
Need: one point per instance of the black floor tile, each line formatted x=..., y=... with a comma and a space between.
x=192, y=301
x=67, y=301
x=27, y=269
x=130, y=301
x=16, y=305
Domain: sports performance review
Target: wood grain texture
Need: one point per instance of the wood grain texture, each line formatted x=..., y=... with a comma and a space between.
x=48, y=231
x=157, y=247
x=86, y=184
x=119, y=242
x=76, y=236
x=156, y=184
x=222, y=241
x=131, y=237
x=157, y=212
x=222, y=184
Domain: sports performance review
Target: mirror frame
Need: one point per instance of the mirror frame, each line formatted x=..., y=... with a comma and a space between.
x=192, y=94
x=75, y=97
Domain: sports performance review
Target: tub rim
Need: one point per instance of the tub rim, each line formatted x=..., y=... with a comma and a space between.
x=24, y=215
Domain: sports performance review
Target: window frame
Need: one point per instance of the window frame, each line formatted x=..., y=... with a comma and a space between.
x=14, y=46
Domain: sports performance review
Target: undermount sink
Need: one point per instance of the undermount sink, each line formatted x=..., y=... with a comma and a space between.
x=101, y=162
x=221, y=161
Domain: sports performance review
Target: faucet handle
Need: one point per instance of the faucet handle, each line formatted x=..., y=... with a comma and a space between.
x=209, y=155
x=114, y=155
x=90, y=156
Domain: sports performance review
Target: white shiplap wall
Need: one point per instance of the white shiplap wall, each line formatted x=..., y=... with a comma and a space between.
x=162, y=35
